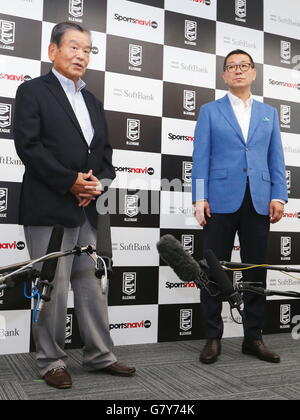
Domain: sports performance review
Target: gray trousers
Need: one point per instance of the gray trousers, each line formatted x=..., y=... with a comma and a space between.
x=89, y=302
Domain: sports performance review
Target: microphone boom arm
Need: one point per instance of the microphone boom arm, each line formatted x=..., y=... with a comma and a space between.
x=247, y=287
x=28, y=264
x=235, y=265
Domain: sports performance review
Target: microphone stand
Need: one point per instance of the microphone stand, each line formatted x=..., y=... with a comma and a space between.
x=21, y=267
x=244, y=286
x=248, y=286
x=25, y=271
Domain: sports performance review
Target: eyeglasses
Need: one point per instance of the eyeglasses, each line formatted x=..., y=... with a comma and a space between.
x=232, y=68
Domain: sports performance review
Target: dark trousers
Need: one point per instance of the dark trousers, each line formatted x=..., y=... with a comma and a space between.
x=218, y=235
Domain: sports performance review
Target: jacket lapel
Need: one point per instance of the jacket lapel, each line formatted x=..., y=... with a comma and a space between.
x=254, y=120
x=57, y=90
x=226, y=109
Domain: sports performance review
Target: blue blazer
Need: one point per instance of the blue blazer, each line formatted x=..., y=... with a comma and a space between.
x=222, y=160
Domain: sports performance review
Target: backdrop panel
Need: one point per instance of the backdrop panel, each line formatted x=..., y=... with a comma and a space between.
x=153, y=64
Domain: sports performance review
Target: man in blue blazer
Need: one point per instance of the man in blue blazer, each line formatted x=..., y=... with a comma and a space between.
x=239, y=185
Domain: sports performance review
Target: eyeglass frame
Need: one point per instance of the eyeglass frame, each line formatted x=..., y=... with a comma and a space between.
x=251, y=65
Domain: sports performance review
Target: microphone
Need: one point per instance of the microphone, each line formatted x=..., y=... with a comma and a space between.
x=49, y=267
x=103, y=268
x=183, y=264
x=219, y=276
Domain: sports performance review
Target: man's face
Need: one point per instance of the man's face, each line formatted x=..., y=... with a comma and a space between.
x=71, y=58
x=237, y=78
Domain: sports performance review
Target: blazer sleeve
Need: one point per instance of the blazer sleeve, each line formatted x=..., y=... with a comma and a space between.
x=39, y=161
x=276, y=163
x=201, y=156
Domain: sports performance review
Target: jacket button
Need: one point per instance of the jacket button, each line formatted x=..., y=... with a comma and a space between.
x=245, y=169
x=89, y=151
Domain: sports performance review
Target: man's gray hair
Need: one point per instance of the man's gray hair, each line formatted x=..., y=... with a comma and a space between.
x=60, y=29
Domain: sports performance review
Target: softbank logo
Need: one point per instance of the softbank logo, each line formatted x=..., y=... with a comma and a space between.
x=2, y=327
x=125, y=93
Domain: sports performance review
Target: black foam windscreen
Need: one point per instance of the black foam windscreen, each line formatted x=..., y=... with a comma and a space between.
x=103, y=244
x=217, y=273
x=183, y=264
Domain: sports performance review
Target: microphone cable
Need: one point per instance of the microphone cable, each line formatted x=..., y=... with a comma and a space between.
x=35, y=294
x=247, y=268
x=104, y=265
x=105, y=275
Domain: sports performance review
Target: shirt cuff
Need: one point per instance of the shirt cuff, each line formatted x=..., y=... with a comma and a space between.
x=280, y=201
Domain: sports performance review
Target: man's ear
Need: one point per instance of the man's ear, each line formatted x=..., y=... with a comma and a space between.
x=224, y=77
x=52, y=49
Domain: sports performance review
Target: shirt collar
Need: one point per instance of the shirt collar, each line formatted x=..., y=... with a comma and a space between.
x=237, y=101
x=68, y=84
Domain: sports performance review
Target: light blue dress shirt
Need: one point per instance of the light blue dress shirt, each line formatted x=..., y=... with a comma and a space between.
x=78, y=104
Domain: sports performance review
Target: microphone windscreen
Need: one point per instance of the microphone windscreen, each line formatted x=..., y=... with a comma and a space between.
x=217, y=273
x=173, y=253
x=49, y=266
x=103, y=244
